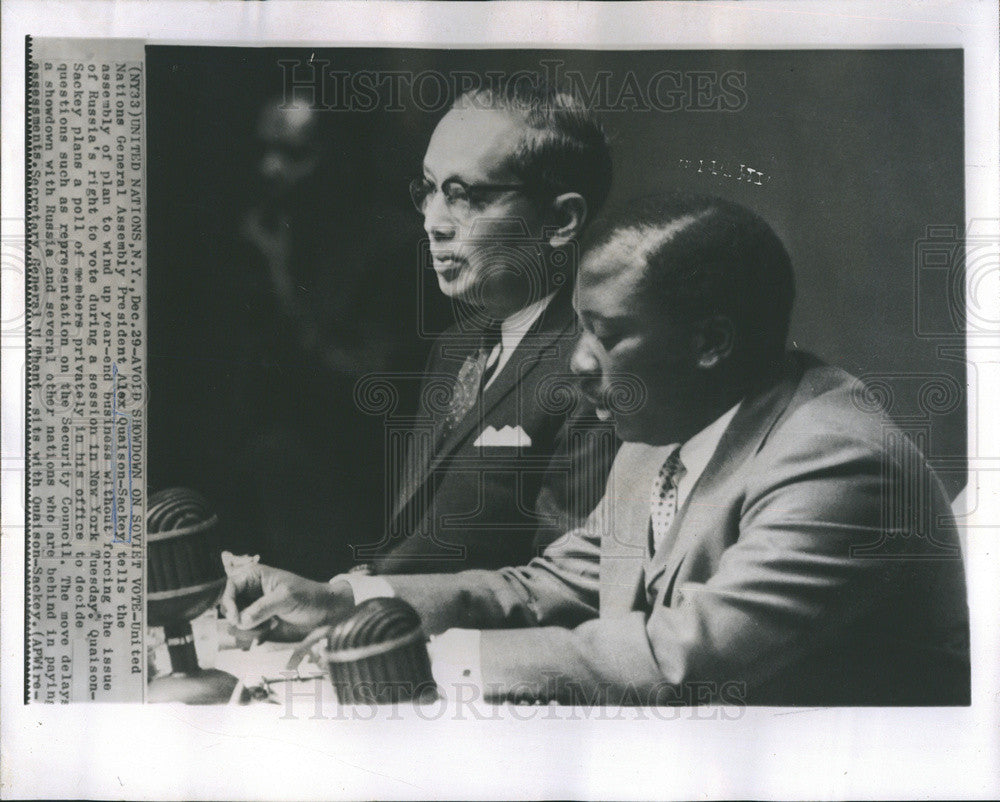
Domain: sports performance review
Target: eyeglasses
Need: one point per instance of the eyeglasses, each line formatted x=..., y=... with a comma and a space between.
x=460, y=198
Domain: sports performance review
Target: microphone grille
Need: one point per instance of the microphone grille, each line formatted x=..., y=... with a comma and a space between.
x=379, y=654
x=184, y=567
x=176, y=508
x=375, y=621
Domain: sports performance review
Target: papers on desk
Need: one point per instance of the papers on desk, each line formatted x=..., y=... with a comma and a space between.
x=262, y=666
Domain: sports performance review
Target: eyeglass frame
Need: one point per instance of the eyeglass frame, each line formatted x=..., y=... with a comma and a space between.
x=428, y=188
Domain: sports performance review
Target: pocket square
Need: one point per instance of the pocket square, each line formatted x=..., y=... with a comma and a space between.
x=505, y=437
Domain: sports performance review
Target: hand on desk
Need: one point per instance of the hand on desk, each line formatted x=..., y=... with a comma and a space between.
x=284, y=606
x=255, y=594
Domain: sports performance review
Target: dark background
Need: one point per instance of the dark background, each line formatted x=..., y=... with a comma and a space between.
x=860, y=151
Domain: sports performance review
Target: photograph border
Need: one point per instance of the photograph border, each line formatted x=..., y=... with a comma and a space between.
x=170, y=752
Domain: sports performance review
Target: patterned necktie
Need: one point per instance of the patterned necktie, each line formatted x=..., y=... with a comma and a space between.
x=663, y=499
x=471, y=378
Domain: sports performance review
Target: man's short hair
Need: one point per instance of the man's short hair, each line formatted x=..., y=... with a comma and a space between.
x=564, y=149
x=708, y=256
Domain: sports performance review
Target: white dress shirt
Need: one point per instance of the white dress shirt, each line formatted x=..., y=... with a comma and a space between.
x=512, y=331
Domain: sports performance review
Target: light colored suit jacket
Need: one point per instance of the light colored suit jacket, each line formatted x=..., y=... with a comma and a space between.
x=815, y=562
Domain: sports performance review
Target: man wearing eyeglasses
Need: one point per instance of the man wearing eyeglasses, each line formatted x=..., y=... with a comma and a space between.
x=504, y=454
x=765, y=538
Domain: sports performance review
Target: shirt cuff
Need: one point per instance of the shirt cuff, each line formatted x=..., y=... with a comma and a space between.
x=366, y=587
x=456, y=664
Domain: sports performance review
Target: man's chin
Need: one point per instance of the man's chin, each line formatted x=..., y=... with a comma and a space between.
x=630, y=430
x=627, y=435
x=456, y=288
x=622, y=429
x=605, y=415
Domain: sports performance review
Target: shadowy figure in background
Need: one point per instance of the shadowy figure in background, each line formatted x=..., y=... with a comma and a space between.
x=327, y=285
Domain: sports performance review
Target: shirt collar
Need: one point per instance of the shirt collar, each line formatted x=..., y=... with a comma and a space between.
x=513, y=329
x=698, y=450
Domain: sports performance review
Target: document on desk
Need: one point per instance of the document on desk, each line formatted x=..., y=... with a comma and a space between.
x=219, y=303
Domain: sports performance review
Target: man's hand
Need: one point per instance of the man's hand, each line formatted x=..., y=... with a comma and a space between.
x=257, y=593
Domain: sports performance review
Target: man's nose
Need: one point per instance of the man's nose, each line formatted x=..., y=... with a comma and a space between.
x=584, y=362
x=438, y=222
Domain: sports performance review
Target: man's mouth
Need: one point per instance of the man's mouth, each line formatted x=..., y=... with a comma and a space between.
x=600, y=408
x=447, y=264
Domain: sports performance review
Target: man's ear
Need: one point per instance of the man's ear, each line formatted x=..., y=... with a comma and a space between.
x=569, y=213
x=714, y=341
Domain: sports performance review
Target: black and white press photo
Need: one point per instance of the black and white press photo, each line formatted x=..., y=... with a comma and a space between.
x=427, y=302
x=501, y=399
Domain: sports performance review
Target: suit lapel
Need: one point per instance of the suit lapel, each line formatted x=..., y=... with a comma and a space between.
x=625, y=512
x=741, y=440
x=557, y=320
x=418, y=449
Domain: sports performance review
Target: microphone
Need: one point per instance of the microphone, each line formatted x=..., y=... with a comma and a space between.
x=185, y=577
x=378, y=654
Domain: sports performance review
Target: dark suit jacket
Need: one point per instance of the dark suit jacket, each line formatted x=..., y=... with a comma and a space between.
x=815, y=562
x=474, y=503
